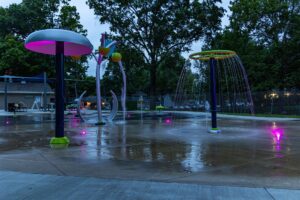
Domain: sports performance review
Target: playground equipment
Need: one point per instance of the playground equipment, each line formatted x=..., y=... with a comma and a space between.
x=60, y=43
x=226, y=68
x=105, y=51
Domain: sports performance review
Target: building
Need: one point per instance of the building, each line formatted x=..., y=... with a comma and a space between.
x=25, y=93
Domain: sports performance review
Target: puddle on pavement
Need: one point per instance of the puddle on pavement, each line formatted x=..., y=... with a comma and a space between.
x=167, y=142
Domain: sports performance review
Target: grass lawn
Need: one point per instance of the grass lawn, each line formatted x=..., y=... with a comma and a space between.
x=264, y=115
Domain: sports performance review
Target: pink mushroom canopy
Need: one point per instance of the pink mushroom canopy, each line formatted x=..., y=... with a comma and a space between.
x=44, y=41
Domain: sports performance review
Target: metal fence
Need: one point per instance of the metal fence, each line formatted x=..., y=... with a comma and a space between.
x=270, y=102
x=277, y=102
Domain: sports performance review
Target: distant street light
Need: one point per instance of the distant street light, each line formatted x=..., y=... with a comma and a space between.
x=287, y=94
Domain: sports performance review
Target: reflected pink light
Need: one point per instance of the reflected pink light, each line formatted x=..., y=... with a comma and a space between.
x=277, y=148
x=277, y=134
x=83, y=132
x=74, y=122
x=7, y=122
x=168, y=121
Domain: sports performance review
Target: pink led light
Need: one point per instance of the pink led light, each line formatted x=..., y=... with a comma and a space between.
x=277, y=132
x=278, y=135
x=83, y=132
x=74, y=122
x=168, y=121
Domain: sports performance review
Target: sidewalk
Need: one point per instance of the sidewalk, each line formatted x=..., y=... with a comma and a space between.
x=16, y=185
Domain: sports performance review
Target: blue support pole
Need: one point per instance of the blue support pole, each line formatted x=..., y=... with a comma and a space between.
x=213, y=94
x=59, y=90
x=45, y=92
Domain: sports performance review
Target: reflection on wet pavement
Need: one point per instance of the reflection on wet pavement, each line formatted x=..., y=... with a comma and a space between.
x=165, y=143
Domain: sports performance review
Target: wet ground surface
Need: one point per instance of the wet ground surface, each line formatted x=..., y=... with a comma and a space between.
x=161, y=147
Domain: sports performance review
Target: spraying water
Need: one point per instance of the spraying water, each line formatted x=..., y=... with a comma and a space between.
x=123, y=96
x=79, y=102
x=114, y=109
x=232, y=87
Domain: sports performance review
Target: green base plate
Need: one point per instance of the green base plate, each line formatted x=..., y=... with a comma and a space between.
x=60, y=140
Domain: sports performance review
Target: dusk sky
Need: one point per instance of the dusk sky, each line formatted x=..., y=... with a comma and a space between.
x=91, y=23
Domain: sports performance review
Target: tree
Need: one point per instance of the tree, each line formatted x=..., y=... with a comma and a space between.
x=158, y=28
x=20, y=61
x=88, y=84
x=168, y=73
x=265, y=34
x=69, y=19
x=16, y=22
x=19, y=20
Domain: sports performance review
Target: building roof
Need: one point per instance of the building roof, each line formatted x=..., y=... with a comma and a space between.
x=38, y=78
x=25, y=88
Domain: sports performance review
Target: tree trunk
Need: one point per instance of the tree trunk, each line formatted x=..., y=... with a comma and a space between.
x=153, y=67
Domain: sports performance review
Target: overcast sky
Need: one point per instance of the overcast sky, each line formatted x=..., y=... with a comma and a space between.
x=91, y=23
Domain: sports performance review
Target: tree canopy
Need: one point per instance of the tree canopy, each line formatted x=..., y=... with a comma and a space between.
x=151, y=36
x=266, y=35
x=159, y=29
x=19, y=20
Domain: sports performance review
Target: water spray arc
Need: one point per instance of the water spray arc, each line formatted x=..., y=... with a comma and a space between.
x=79, y=102
x=225, y=68
x=114, y=109
x=116, y=57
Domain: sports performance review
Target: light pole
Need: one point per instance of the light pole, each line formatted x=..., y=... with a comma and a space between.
x=287, y=95
x=273, y=96
x=286, y=102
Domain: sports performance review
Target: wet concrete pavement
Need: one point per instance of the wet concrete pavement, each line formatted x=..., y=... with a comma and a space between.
x=167, y=148
x=16, y=185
